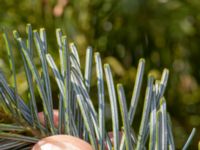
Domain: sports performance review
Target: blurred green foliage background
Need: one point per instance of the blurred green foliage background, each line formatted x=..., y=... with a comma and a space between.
x=164, y=32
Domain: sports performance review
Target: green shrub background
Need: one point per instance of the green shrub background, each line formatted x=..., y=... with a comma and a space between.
x=166, y=33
